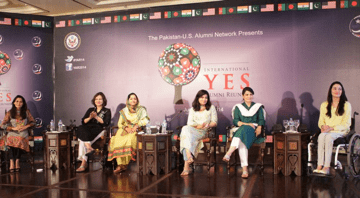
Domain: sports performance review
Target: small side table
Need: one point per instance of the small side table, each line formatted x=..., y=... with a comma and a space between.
x=154, y=153
x=288, y=151
x=57, y=149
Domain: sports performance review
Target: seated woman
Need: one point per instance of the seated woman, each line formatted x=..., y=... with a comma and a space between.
x=334, y=121
x=133, y=118
x=93, y=123
x=17, y=123
x=202, y=116
x=249, y=117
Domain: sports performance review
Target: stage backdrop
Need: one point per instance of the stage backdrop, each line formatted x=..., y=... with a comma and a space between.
x=289, y=58
x=26, y=61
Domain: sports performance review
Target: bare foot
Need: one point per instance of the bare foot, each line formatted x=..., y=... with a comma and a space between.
x=185, y=172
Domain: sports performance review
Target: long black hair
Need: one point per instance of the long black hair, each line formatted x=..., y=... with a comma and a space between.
x=22, y=110
x=196, y=103
x=340, y=109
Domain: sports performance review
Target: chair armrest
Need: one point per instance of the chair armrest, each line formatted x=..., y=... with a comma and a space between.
x=112, y=130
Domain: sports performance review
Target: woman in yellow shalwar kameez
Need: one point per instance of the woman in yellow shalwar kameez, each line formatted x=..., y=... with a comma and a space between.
x=133, y=119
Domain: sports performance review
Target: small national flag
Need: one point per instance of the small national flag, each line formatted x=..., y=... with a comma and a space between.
x=344, y=4
x=96, y=20
x=267, y=8
x=60, y=24
x=36, y=23
x=105, y=19
x=71, y=23
x=134, y=17
x=242, y=9
x=117, y=19
x=329, y=5
x=27, y=22
x=222, y=11
x=222, y=138
x=38, y=138
x=125, y=18
x=186, y=13
x=175, y=14
x=78, y=22
x=47, y=24
x=254, y=8
x=231, y=10
x=198, y=12
x=87, y=21
x=317, y=5
x=208, y=12
x=155, y=15
x=144, y=16
x=303, y=6
x=354, y=3
x=292, y=6
x=281, y=7
x=167, y=14
x=18, y=22
x=5, y=21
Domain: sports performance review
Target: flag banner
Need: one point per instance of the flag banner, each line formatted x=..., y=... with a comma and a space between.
x=242, y=9
x=71, y=23
x=303, y=6
x=5, y=21
x=267, y=8
x=60, y=24
x=87, y=21
x=186, y=13
x=329, y=5
x=208, y=12
x=36, y=23
x=18, y=22
x=134, y=17
x=344, y=4
x=144, y=16
x=167, y=14
x=155, y=15
x=105, y=19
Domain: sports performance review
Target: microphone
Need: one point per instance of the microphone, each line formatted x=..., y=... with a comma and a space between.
x=301, y=113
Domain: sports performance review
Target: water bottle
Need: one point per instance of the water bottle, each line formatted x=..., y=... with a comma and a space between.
x=52, y=125
x=60, y=125
x=148, y=129
x=291, y=125
x=164, y=125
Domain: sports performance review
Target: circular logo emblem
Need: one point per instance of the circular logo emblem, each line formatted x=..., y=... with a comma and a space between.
x=37, y=96
x=5, y=63
x=37, y=69
x=72, y=41
x=354, y=26
x=39, y=122
x=36, y=41
x=179, y=64
x=1, y=39
x=18, y=54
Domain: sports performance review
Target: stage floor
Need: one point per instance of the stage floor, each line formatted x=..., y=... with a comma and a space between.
x=103, y=183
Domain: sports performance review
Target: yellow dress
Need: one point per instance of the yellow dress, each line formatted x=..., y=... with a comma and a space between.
x=122, y=146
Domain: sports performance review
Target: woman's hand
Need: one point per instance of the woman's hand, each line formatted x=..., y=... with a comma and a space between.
x=258, y=131
x=93, y=115
x=128, y=130
x=251, y=124
x=135, y=128
x=326, y=129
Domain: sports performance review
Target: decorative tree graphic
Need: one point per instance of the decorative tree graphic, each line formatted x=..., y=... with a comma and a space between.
x=179, y=64
x=5, y=63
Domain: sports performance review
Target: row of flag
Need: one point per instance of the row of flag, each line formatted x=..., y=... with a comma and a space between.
x=185, y=13
x=24, y=22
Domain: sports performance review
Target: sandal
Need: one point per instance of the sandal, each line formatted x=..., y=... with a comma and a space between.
x=185, y=172
x=226, y=158
x=81, y=169
x=119, y=169
x=245, y=175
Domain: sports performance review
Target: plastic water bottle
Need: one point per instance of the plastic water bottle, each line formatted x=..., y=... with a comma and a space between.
x=164, y=125
x=291, y=124
x=52, y=125
x=60, y=125
x=148, y=129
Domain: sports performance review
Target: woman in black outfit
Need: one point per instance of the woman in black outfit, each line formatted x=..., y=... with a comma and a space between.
x=92, y=128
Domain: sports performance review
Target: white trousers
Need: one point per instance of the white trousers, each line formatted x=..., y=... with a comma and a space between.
x=325, y=145
x=243, y=151
x=82, y=147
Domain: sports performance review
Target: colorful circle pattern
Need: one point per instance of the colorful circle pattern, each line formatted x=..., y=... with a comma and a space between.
x=5, y=63
x=179, y=64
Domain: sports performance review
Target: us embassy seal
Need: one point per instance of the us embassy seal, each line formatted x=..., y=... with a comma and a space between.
x=72, y=41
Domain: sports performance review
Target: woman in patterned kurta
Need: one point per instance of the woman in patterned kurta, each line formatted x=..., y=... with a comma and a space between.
x=17, y=123
x=133, y=118
x=249, y=117
x=202, y=116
